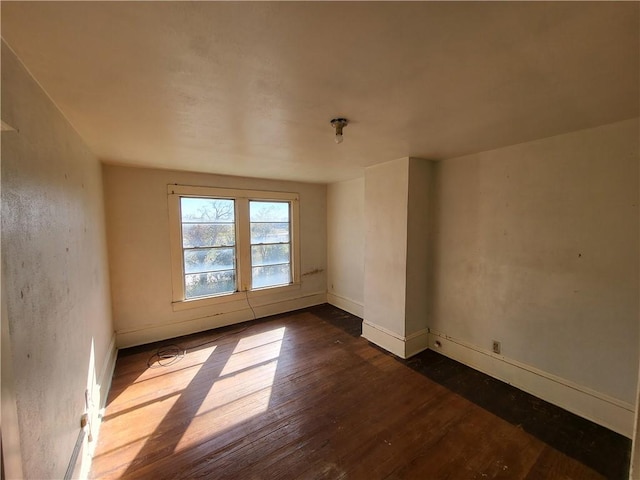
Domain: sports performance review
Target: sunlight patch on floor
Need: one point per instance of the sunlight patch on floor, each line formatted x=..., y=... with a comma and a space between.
x=139, y=423
x=180, y=374
x=260, y=339
x=250, y=358
x=138, y=415
x=243, y=389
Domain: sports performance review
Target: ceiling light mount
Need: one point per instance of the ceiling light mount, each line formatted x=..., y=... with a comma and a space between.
x=339, y=124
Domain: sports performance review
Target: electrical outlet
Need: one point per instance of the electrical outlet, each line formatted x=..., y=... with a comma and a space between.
x=496, y=346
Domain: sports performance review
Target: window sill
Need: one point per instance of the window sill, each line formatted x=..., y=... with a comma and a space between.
x=231, y=297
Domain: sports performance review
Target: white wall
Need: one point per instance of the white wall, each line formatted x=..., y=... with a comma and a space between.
x=398, y=212
x=536, y=245
x=54, y=266
x=345, y=245
x=634, y=470
x=418, y=237
x=140, y=260
x=385, y=257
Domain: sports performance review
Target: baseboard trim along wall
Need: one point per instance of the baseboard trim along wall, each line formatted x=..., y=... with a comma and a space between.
x=106, y=375
x=82, y=456
x=155, y=333
x=401, y=346
x=346, y=304
x=597, y=407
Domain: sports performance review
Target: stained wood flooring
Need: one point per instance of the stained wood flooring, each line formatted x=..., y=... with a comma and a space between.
x=302, y=395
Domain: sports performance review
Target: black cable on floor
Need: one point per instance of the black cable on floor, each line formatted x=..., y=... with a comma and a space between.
x=169, y=354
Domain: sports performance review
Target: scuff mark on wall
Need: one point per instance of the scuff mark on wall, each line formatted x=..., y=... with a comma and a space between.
x=315, y=271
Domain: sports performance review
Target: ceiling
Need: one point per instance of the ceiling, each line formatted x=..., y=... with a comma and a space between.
x=249, y=88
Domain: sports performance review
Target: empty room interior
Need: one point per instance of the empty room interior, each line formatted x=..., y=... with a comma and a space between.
x=335, y=240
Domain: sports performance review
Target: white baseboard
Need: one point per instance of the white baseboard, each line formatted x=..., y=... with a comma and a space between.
x=155, y=333
x=85, y=456
x=106, y=375
x=346, y=304
x=401, y=346
x=416, y=342
x=600, y=408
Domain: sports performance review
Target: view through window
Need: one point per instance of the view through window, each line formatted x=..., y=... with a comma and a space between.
x=270, y=244
x=231, y=241
x=209, y=246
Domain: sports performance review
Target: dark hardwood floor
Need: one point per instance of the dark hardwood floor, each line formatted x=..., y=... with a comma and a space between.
x=302, y=395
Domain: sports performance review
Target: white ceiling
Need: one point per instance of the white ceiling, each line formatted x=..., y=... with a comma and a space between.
x=249, y=88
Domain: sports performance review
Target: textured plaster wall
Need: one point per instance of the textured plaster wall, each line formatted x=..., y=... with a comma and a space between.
x=386, y=244
x=418, y=238
x=536, y=245
x=140, y=258
x=345, y=240
x=397, y=244
x=54, y=267
x=635, y=452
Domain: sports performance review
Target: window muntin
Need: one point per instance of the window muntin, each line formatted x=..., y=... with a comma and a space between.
x=208, y=246
x=270, y=243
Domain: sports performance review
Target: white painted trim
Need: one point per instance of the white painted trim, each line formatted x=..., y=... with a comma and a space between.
x=403, y=347
x=108, y=368
x=634, y=467
x=10, y=432
x=383, y=338
x=154, y=333
x=200, y=191
x=178, y=306
x=346, y=304
x=384, y=330
x=598, y=407
x=416, y=342
x=241, y=199
x=82, y=457
x=175, y=242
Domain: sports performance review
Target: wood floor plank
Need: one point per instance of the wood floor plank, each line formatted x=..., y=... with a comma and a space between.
x=303, y=396
x=556, y=465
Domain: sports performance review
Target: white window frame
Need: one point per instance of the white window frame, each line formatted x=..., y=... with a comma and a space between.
x=243, y=242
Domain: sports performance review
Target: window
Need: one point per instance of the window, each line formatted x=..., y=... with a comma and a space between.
x=270, y=243
x=208, y=246
x=225, y=241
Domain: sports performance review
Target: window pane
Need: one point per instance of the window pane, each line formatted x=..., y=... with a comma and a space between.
x=270, y=276
x=269, y=233
x=208, y=259
x=269, y=211
x=208, y=234
x=207, y=210
x=213, y=283
x=208, y=222
x=269, y=254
